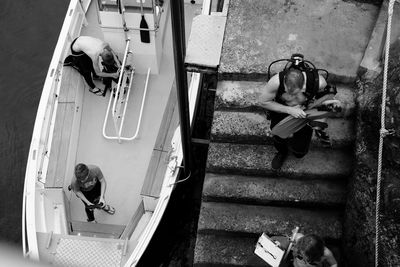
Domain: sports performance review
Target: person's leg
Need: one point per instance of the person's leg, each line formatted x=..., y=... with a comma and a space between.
x=89, y=213
x=93, y=196
x=83, y=64
x=280, y=144
x=300, y=142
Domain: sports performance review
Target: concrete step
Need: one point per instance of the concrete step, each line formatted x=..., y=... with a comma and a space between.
x=225, y=250
x=256, y=160
x=96, y=229
x=274, y=191
x=217, y=250
x=244, y=96
x=254, y=127
x=333, y=35
x=255, y=219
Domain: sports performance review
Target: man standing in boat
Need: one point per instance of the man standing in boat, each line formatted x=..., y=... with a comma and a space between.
x=89, y=185
x=94, y=58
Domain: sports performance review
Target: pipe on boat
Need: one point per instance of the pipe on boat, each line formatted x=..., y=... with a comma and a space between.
x=178, y=40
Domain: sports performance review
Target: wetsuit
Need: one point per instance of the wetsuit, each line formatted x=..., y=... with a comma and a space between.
x=83, y=64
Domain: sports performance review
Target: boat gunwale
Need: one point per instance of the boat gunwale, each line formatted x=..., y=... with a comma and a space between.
x=28, y=206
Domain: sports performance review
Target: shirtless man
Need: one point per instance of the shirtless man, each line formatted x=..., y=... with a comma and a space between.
x=287, y=93
x=94, y=58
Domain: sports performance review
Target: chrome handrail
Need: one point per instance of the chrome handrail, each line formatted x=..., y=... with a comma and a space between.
x=117, y=94
x=156, y=18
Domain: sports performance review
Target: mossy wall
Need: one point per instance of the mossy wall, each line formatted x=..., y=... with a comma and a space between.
x=360, y=211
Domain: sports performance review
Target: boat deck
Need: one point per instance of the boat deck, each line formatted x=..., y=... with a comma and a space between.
x=125, y=165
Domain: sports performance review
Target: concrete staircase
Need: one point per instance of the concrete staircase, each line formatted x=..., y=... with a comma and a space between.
x=242, y=196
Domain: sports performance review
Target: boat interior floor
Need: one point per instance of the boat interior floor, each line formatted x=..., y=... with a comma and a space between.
x=125, y=164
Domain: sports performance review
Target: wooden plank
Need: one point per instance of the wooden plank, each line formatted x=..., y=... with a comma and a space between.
x=130, y=228
x=60, y=144
x=155, y=174
x=98, y=229
x=64, y=146
x=150, y=178
x=71, y=82
x=166, y=120
x=158, y=162
x=55, y=145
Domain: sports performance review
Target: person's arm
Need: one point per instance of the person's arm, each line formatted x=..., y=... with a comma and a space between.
x=103, y=190
x=100, y=73
x=267, y=100
x=116, y=59
x=103, y=183
x=75, y=188
x=328, y=255
x=80, y=195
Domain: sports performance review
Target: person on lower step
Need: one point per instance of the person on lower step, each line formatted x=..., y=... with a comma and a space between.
x=307, y=251
x=90, y=185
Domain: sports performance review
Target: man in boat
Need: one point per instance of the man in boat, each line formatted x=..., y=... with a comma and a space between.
x=94, y=58
x=290, y=92
x=89, y=185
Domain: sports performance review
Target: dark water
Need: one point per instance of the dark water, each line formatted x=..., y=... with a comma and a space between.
x=29, y=32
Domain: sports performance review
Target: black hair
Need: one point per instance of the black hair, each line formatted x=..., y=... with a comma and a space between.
x=293, y=79
x=108, y=57
x=311, y=247
x=81, y=171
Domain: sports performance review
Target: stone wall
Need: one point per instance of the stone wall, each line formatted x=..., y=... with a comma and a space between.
x=360, y=210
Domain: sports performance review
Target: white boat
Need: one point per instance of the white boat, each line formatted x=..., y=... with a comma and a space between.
x=133, y=136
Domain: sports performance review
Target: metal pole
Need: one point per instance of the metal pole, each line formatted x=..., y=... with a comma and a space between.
x=178, y=35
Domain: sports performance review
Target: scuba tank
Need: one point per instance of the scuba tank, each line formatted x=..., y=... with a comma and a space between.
x=297, y=61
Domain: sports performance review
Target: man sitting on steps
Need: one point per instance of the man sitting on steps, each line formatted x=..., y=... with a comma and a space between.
x=290, y=92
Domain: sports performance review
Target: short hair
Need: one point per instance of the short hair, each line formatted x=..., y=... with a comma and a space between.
x=293, y=79
x=311, y=246
x=81, y=171
x=108, y=57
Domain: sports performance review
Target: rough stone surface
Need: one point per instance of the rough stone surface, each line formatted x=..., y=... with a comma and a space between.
x=282, y=28
x=281, y=191
x=360, y=220
x=254, y=127
x=256, y=159
x=226, y=250
x=251, y=219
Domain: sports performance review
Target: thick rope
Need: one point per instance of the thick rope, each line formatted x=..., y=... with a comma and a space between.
x=382, y=133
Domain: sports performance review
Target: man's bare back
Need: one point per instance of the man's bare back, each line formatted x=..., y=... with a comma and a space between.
x=90, y=46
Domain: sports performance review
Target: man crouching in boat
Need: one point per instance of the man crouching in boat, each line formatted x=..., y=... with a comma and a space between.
x=89, y=185
x=92, y=56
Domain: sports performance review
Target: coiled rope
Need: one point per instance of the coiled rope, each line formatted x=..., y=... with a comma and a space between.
x=382, y=133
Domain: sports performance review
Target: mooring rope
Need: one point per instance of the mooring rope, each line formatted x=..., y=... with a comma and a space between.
x=382, y=133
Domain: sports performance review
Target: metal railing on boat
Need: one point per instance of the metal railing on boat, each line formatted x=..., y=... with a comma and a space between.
x=121, y=98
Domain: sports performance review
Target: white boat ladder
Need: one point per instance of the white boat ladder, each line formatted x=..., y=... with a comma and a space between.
x=119, y=99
